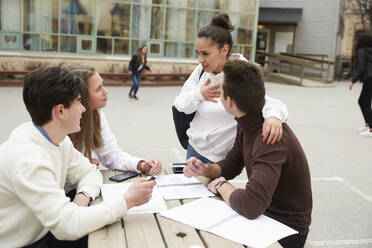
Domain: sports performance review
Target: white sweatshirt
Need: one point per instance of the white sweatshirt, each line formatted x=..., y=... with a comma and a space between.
x=212, y=131
x=110, y=155
x=33, y=172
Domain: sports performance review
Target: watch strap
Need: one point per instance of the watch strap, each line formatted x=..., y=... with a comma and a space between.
x=219, y=184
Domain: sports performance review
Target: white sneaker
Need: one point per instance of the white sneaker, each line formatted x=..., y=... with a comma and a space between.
x=366, y=133
x=362, y=129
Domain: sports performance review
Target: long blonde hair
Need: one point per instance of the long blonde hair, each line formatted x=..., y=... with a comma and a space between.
x=89, y=136
x=139, y=56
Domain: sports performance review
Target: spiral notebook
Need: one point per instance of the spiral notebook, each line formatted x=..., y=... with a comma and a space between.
x=178, y=186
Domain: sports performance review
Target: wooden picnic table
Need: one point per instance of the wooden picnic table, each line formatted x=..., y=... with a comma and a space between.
x=153, y=230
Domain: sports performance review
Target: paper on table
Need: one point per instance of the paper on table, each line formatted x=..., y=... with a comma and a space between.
x=178, y=186
x=217, y=217
x=155, y=205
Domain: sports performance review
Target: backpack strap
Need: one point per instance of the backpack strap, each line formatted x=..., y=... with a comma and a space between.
x=201, y=74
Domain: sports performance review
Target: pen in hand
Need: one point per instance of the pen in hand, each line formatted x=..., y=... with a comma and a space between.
x=193, y=163
x=152, y=178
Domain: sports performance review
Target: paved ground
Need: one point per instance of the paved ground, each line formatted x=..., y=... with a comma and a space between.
x=324, y=119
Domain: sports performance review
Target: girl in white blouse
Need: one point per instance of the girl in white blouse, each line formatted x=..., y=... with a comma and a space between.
x=96, y=135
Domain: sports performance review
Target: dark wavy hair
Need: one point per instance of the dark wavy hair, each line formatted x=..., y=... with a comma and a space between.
x=45, y=88
x=219, y=31
x=363, y=40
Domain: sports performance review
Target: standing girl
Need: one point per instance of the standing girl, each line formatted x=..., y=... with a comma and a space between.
x=213, y=130
x=364, y=75
x=137, y=63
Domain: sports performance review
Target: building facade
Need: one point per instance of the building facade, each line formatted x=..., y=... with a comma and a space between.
x=113, y=29
x=302, y=27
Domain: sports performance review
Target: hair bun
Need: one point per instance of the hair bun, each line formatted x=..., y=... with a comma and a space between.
x=222, y=20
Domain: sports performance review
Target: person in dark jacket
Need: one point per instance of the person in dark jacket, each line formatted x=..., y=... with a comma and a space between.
x=363, y=73
x=136, y=65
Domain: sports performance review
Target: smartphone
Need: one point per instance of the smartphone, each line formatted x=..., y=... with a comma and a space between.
x=123, y=176
x=177, y=169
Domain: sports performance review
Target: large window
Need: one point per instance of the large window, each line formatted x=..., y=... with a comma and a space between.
x=119, y=27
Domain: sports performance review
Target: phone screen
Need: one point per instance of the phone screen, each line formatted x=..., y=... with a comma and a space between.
x=177, y=170
x=123, y=176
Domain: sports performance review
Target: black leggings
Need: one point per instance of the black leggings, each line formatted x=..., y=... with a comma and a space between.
x=49, y=241
x=364, y=101
x=293, y=241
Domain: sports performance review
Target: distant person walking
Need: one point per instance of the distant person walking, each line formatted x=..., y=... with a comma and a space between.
x=363, y=73
x=136, y=65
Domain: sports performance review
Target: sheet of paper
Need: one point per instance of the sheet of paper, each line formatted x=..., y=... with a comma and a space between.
x=258, y=233
x=178, y=186
x=155, y=205
x=200, y=214
x=217, y=217
x=176, y=179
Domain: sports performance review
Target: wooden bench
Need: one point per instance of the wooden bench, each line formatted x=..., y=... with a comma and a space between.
x=123, y=76
x=153, y=230
x=158, y=76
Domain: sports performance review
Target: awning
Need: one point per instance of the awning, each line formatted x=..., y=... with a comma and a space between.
x=279, y=15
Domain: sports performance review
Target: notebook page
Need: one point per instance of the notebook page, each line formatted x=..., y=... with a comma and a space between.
x=155, y=205
x=185, y=192
x=217, y=217
x=178, y=186
x=175, y=179
x=258, y=233
x=200, y=214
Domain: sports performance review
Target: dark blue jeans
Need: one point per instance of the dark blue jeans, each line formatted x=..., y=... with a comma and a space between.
x=136, y=77
x=192, y=153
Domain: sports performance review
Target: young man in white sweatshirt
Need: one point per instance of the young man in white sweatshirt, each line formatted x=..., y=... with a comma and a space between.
x=37, y=160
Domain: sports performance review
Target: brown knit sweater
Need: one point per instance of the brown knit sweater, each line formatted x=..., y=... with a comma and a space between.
x=279, y=183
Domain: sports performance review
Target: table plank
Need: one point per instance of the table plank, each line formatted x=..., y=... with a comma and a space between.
x=213, y=240
x=177, y=234
x=111, y=235
x=142, y=231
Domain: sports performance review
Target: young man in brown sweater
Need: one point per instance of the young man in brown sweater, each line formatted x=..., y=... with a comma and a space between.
x=279, y=183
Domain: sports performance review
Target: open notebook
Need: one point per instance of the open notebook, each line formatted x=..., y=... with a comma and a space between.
x=217, y=217
x=155, y=205
x=178, y=186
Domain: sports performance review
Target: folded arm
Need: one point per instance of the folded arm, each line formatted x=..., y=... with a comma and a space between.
x=190, y=97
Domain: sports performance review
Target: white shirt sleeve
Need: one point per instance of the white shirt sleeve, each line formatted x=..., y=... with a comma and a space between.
x=84, y=174
x=36, y=186
x=190, y=97
x=274, y=108
x=110, y=155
